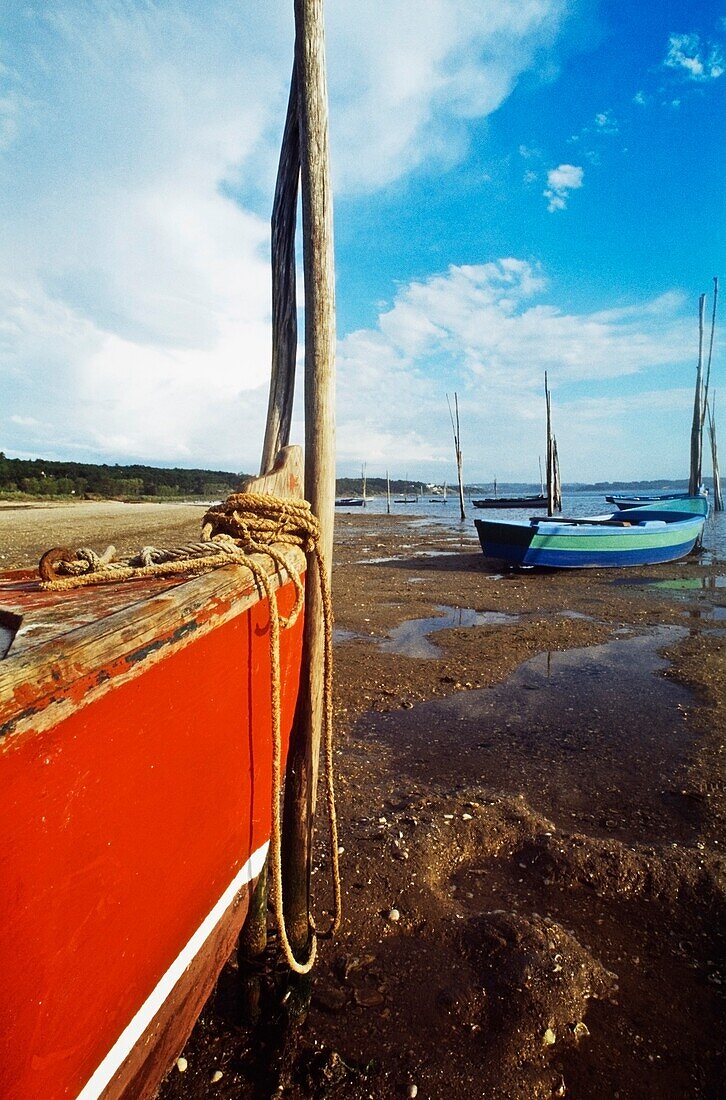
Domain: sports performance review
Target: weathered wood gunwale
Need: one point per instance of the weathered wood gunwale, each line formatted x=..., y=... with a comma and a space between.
x=66, y=673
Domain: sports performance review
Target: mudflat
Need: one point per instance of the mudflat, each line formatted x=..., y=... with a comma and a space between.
x=531, y=818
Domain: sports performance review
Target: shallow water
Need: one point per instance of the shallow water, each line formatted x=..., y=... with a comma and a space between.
x=410, y=639
x=596, y=734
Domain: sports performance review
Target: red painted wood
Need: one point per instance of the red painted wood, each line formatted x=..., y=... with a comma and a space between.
x=121, y=827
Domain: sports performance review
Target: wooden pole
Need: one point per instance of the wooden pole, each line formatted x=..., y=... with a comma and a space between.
x=557, y=483
x=695, y=478
x=318, y=266
x=284, y=301
x=710, y=345
x=550, y=454
x=363, y=480
x=456, y=429
x=717, y=498
x=388, y=494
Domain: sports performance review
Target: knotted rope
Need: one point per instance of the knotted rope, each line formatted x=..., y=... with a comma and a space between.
x=244, y=524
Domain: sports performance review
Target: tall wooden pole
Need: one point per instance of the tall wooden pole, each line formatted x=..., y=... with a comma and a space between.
x=363, y=482
x=456, y=429
x=710, y=347
x=284, y=301
x=388, y=494
x=717, y=498
x=550, y=452
x=317, y=216
x=694, y=477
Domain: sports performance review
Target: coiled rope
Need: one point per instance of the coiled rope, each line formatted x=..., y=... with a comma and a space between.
x=244, y=524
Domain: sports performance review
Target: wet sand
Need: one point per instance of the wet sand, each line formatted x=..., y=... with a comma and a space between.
x=531, y=812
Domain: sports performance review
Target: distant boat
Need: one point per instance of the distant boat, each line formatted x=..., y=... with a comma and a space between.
x=355, y=502
x=642, y=536
x=680, y=502
x=439, y=499
x=406, y=499
x=511, y=502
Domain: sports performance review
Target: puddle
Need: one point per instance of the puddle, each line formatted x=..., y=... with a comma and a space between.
x=419, y=554
x=594, y=737
x=410, y=638
x=706, y=614
x=675, y=584
x=576, y=615
x=341, y=635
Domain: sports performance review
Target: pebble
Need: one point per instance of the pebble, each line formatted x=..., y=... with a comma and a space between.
x=217, y=1076
x=412, y=1091
x=393, y=915
x=181, y=1065
x=467, y=817
x=549, y=1037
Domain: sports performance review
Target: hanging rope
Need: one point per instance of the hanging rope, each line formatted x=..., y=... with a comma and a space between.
x=244, y=524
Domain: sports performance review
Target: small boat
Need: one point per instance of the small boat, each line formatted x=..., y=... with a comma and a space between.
x=698, y=505
x=135, y=768
x=441, y=499
x=637, y=537
x=511, y=502
x=355, y=502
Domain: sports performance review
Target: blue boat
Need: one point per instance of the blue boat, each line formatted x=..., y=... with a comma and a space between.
x=642, y=536
x=677, y=502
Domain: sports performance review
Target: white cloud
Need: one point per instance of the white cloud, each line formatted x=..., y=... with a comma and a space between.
x=694, y=59
x=135, y=142
x=406, y=87
x=606, y=123
x=488, y=331
x=640, y=98
x=560, y=181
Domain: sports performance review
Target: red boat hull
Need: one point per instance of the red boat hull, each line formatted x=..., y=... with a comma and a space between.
x=135, y=814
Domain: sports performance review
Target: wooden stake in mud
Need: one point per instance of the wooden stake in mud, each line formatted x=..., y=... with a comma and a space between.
x=284, y=301
x=317, y=212
x=695, y=478
x=388, y=494
x=457, y=447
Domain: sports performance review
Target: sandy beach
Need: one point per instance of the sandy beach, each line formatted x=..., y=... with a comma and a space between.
x=531, y=815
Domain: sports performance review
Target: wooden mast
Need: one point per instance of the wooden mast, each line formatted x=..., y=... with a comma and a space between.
x=550, y=452
x=455, y=427
x=318, y=266
x=694, y=477
x=284, y=302
x=711, y=413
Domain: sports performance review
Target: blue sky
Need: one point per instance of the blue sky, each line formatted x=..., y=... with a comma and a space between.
x=520, y=185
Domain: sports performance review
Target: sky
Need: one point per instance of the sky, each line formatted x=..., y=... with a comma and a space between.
x=519, y=186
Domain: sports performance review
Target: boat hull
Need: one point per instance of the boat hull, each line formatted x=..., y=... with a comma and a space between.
x=553, y=545
x=136, y=769
x=511, y=502
x=692, y=505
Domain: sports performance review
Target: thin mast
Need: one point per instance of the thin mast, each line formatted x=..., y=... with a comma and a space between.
x=456, y=429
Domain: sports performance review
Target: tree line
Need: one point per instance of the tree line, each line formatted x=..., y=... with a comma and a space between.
x=40, y=477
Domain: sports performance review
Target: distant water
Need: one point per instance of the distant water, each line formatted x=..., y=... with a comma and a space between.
x=583, y=503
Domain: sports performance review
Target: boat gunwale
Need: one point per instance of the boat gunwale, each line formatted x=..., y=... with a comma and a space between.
x=39, y=685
